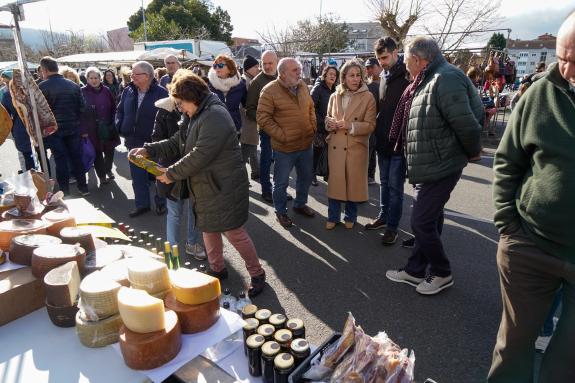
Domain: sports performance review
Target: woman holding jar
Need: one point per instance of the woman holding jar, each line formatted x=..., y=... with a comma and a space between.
x=211, y=164
x=350, y=120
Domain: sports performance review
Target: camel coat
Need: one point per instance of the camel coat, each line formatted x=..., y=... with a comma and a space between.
x=348, y=153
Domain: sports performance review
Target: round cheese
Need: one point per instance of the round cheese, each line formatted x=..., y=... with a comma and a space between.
x=102, y=257
x=100, y=333
x=151, y=350
x=98, y=296
x=63, y=285
x=194, y=318
x=62, y=316
x=22, y=246
x=16, y=227
x=194, y=288
x=80, y=235
x=118, y=271
x=149, y=275
x=48, y=257
x=58, y=219
x=140, y=311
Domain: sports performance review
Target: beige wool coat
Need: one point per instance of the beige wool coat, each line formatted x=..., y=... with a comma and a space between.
x=348, y=150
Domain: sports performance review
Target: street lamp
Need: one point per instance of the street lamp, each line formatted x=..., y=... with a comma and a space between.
x=144, y=18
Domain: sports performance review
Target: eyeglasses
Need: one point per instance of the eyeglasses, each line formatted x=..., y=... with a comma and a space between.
x=218, y=65
x=137, y=74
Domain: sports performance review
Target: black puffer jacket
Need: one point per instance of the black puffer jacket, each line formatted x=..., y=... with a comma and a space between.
x=320, y=94
x=66, y=101
x=211, y=163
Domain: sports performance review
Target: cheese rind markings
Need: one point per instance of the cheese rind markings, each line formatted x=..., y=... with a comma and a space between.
x=99, y=296
x=100, y=333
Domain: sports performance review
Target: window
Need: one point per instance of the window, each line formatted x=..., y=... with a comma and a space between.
x=533, y=54
x=532, y=63
x=543, y=57
x=522, y=63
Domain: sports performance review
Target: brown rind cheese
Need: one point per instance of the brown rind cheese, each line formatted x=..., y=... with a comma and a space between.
x=22, y=246
x=194, y=318
x=48, y=257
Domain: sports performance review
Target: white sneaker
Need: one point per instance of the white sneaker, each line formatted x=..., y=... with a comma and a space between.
x=541, y=343
x=197, y=251
x=402, y=276
x=434, y=284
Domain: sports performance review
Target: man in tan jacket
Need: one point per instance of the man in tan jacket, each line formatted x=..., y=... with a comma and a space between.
x=286, y=113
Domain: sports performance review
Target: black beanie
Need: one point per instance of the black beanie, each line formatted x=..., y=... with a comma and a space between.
x=249, y=62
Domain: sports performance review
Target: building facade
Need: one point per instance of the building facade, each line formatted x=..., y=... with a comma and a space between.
x=362, y=36
x=528, y=53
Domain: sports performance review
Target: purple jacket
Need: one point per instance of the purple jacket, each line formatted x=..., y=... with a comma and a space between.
x=100, y=106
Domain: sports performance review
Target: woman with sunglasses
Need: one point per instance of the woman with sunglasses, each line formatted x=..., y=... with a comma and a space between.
x=225, y=81
x=211, y=164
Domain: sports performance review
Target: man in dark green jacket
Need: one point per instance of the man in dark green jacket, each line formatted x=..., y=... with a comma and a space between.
x=438, y=119
x=534, y=196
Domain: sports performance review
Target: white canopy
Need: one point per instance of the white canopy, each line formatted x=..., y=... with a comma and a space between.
x=126, y=57
x=4, y=65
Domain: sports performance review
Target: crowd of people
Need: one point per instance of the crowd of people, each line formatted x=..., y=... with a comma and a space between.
x=415, y=115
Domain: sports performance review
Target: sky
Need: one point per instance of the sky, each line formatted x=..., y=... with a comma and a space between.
x=527, y=18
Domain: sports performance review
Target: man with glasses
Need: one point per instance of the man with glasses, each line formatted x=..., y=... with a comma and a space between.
x=172, y=65
x=135, y=117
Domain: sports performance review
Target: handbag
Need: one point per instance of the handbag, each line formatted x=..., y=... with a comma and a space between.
x=106, y=131
x=322, y=166
x=88, y=153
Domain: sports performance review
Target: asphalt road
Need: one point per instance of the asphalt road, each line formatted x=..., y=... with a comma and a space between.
x=320, y=275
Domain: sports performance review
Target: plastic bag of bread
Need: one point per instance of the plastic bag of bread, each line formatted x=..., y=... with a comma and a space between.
x=403, y=371
x=26, y=200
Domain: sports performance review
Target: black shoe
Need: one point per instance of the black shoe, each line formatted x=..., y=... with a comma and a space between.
x=221, y=275
x=375, y=225
x=389, y=237
x=268, y=197
x=305, y=211
x=284, y=220
x=111, y=175
x=161, y=210
x=138, y=211
x=257, y=285
x=314, y=182
x=289, y=197
x=408, y=243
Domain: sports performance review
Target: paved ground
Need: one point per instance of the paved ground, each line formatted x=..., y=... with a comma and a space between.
x=319, y=276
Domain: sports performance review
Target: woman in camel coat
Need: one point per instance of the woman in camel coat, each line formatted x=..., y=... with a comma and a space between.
x=350, y=120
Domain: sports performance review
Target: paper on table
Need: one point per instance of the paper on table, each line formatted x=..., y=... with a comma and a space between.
x=194, y=344
x=7, y=266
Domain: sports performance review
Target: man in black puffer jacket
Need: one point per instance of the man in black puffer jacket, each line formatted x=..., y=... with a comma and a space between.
x=67, y=103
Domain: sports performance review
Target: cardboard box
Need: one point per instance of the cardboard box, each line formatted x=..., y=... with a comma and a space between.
x=20, y=294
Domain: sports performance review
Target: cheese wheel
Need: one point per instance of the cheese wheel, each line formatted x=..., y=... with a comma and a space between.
x=102, y=257
x=100, y=333
x=48, y=257
x=138, y=253
x=98, y=296
x=149, y=275
x=62, y=316
x=140, y=311
x=194, y=288
x=194, y=318
x=151, y=350
x=161, y=294
x=22, y=246
x=118, y=271
x=16, y=227
x=79, y=234
x=58, y=219
x=63, y=285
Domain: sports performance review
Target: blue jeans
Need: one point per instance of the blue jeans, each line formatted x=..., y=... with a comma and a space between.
x=265, y=162
x=391, y=178
x=284, y=162
x=141, y=185
x=63, y=147
x=549, y=326
x=176, y=211
x=334, y=211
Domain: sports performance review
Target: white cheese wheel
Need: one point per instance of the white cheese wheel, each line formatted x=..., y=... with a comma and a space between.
x=63, y=285
x=194, y=288
x=149, y=275
x=100, y=333
x=141, y=312
x=118, y=271
x=98, y=296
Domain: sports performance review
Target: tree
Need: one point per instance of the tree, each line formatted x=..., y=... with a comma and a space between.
x=279, y=40
x=497, y=41
x=395, y=17
x=326, y=34
x=59, y=44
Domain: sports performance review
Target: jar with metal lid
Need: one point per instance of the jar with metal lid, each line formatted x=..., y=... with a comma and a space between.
x=263, y=315
x=278, y=321
x=296, y=326
x=284, y=338
x=267, y=331
x=254, y=343
x=269, y=351
x=250, y=327
x=249, y=311
x=283, y=366
x=300, y=350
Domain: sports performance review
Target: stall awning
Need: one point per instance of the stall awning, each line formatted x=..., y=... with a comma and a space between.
x=126, y=57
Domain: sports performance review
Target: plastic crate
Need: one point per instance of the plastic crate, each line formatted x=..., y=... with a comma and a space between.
x=296, y=375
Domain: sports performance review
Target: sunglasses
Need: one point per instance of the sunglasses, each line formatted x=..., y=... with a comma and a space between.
x=218, y=65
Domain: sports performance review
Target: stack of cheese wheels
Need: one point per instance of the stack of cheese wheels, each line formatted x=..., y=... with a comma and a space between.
x=149, y=275
x=62, y=287
x=80, y=235
x=118, y=271
x=48, y=257
x=98, y=321
x=16, y=227
x=150, y=336
x=102, y=257
x=58, y=219
x=195, y=299
x=22, y=246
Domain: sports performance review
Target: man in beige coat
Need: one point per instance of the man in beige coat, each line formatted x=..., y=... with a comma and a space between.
x=286, y=113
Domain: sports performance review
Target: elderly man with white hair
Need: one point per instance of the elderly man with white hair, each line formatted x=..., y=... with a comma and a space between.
x=172, y=65
x=286, y=113
x=135, y=117
x=533, y=189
